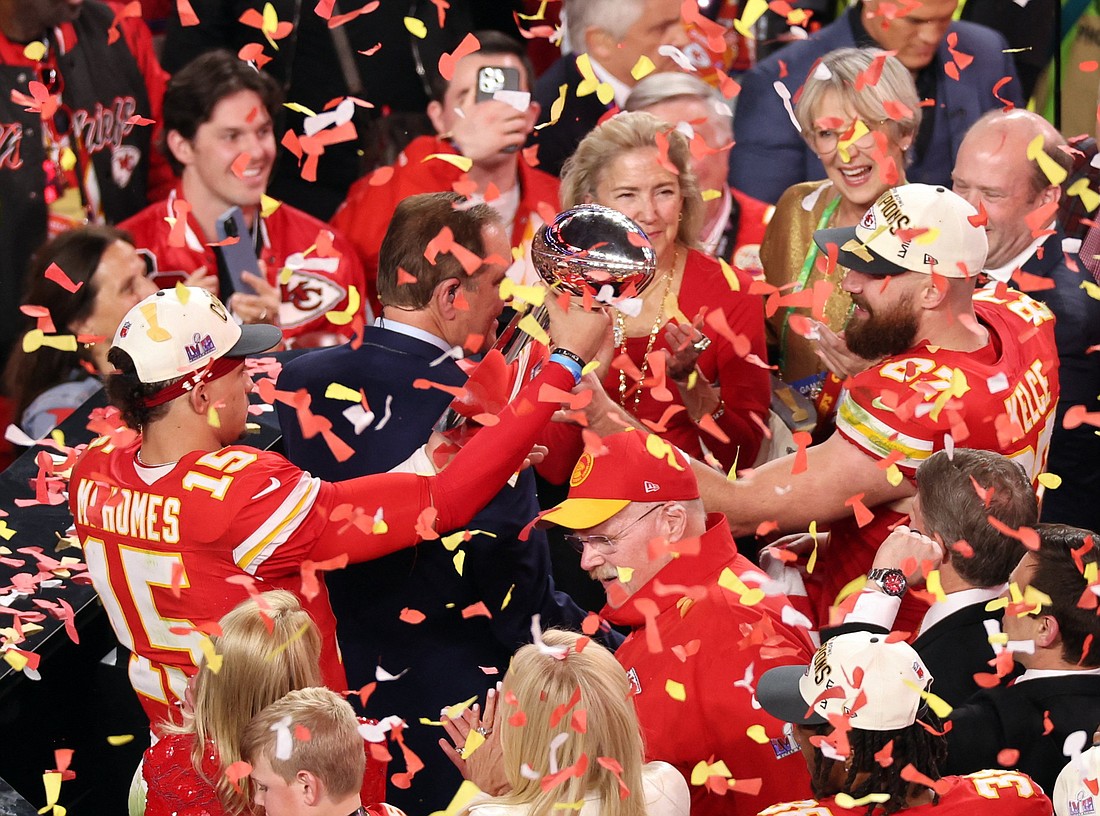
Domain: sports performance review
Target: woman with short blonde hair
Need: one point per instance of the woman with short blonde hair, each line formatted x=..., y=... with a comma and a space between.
x=565, y=704
x=641, y=166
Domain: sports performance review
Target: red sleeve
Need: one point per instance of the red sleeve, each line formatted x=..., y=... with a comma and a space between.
x=160, y=180
x=465, y=486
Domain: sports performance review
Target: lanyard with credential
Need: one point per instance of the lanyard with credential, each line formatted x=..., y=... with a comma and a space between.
x=804, y=276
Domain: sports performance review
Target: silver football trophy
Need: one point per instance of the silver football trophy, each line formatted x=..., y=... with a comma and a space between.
x=588, y=248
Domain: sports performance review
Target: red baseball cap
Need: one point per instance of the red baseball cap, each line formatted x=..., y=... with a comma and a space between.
x=638, y=467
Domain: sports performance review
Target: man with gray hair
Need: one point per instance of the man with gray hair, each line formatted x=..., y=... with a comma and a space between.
x=705, y=116
x=606, y=39
x=1018, y=197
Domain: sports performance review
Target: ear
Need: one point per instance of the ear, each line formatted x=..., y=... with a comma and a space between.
x=532, y=116
x=598, y=43
x=1048, y=634
x=675, y=519
x=1049, y=194
x=311, y=787
x=199, y=399
x=933, y=293
x=443, y=298
x=181, y=148
x=435, y=114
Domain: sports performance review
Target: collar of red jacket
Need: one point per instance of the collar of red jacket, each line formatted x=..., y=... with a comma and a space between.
x=688, y=574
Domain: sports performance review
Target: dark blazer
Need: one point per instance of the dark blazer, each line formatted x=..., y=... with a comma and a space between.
x=769, y=154
x=955, y=649
x=557, y=142
x=1013, y=717
x=1074, y=453
x=447, y=657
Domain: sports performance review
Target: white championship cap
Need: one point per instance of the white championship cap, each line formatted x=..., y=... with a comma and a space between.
x=912, y=228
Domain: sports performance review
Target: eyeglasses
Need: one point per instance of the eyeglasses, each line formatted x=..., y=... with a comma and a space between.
x=825, y=140
x=605, y=545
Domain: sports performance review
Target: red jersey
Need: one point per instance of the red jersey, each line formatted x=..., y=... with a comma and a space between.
x=172, y=548
x=1000, y=398
x=1004, y=793
x=313, y=283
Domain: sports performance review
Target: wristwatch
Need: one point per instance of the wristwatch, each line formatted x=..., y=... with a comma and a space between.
x=890, y=581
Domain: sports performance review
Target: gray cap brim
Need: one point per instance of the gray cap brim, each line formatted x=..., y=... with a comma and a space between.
x=255, y=339
x=778, y=694
x=877, y=266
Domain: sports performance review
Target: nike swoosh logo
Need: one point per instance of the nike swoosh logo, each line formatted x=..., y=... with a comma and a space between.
x=275, y=484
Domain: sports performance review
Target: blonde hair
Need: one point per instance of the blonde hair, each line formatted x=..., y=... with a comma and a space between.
x=334, y=751
x=622, y=133
x=258, y=666
x=542, y=684
x=841, y=69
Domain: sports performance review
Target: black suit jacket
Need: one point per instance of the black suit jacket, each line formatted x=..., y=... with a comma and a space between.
x=955, y=649
x=447, y=657
x=1014, y=717
x=557, y=142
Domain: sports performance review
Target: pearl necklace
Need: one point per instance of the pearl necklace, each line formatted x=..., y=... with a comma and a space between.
x=620, y=322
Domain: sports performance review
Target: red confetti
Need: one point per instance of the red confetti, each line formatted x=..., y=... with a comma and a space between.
x=447, y=62
x=58, y=276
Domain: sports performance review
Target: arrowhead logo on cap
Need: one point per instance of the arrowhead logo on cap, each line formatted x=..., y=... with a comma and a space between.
x=868, y=221
x=651, y=487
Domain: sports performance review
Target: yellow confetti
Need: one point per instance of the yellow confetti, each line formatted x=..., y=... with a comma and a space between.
x=183, y=294
x=534, y=295
x=213, y=659
x=855, y=585
x=538, y=15
x=643, y=67
x=15, y=659
x=625, y=573
x=1051, y=481
x=811, y=562
x=461, y=162
x=68, y=159
x=282, y=646
x=212, y=417
x=748, y=596
x=531, y=326
x=463, y=796
x=285, y=274
x=341, y=392
x=757, y=734
x=459, y=561
x=1091, y=289
x=1051, y=169
x=846, y=801
x=344, y=318
x=894, y=475
x=416, y=27
x=859, y=130
x=704, y=771
x=474, y=740
x=1088, y=196
x=932, y=583
x=507, y=597
x=6, y=532
x=590, y=84
x=51, y=780
x=268, y=205
x=452, y=541
x=35, y=51
x=959, y=386
x=556, y=108
x=675, y=690
x=591, y=366
x=35, y=339
x=568, y=805
x=710, y=195
x=298, y=108
x=753, y=10
x=120, y=739
x=731, y=277
x=939, y=705
x=995, y=604
x=453, y=712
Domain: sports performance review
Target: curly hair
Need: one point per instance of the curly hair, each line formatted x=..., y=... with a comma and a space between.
x=913, y=745
x=128, y=393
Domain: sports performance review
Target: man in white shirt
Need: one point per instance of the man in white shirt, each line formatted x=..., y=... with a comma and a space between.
x=1018, y=196
x=951, y=529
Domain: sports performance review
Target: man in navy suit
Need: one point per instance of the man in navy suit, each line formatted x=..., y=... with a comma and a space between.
x=957, y=64
x=445, y=617
x=950, y=527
